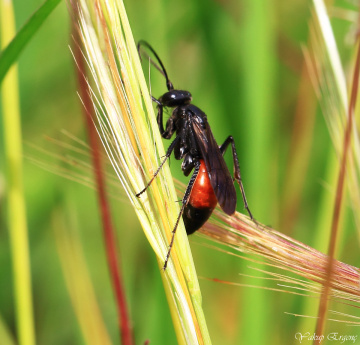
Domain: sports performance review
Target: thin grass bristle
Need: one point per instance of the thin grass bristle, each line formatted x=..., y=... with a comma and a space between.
x=278, y=250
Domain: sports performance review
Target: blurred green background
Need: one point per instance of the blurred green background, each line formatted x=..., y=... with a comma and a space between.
x=244, y=65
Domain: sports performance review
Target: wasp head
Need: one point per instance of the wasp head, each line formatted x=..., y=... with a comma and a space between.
x=174, y=98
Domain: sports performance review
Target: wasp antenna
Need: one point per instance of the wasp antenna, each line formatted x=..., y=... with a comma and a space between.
x=169, y=84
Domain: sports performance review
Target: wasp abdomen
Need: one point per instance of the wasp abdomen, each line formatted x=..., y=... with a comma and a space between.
x=201, y=203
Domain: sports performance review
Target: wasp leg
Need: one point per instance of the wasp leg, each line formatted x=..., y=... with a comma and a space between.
x=168, y=153
x=237, y=175
x=185, y=200
x=159, y=115
x=170, y=126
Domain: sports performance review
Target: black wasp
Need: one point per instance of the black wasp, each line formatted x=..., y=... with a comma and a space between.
x=211, y=182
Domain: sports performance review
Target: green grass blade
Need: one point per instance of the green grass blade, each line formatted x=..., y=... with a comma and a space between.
x=259, y=79
x=15, y=193
x=5, y=335
x=11, y=53
x=259, y=61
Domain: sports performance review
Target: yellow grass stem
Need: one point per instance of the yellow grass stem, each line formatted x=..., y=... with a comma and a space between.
x=128, y=129
x=15, y=193
x=78, y=282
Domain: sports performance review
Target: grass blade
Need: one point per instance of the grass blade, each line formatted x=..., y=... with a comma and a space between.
x=78, y=282
x=15, y=193
x=11, y=53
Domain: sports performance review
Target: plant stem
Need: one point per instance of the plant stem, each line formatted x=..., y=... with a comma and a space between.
x=15, y=191
x=11, y=52
x=108, y=229
x=338, y=202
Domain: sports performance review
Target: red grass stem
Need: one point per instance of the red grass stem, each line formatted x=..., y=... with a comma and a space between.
x=338, y=203
x=108, y=229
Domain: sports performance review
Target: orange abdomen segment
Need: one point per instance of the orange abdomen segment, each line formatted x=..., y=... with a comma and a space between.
x=201, y=203
x=202, y=194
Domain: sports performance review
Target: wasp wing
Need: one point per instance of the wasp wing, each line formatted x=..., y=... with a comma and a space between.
x=220, y=178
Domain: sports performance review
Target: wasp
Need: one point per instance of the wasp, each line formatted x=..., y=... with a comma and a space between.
x=194, y=143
